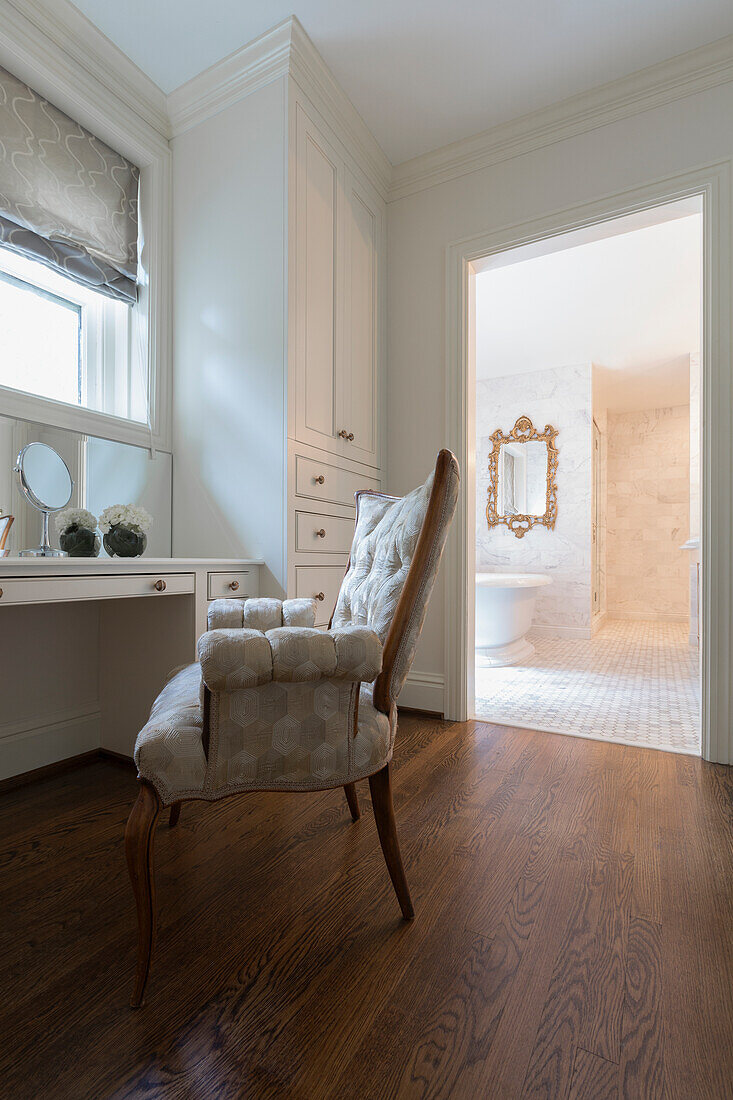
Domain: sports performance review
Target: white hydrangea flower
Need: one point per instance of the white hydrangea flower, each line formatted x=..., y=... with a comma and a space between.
x=74, y=517
x=127, y=515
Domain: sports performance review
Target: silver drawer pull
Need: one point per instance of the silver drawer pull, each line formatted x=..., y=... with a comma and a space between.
x=319, y=480
x=321, y=534
x=159, y=585
x=319, y=596
x=234, y=585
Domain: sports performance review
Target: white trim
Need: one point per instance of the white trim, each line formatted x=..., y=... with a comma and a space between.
x=47, y=739
x=285, y=50
x=231, y=79
x=50, y=45
x=559, y=630
x=713, y=182
x=680, y=76
x=423, y=691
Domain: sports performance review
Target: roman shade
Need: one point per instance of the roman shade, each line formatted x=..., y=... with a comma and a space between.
x=66, y=198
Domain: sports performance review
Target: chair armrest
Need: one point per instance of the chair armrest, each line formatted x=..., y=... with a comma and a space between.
x=241, y=658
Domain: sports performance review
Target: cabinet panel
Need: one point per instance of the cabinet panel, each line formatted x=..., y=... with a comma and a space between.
x=320, y=480
x=320, y=534
x=317, y=188
x=358, y=382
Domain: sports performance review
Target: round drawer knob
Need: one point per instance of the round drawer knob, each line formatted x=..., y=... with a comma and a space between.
x=322, y=533
x=319, y=596
x=319, y=480
x=159, y=585
x=1, y=593
x=234, y=585
x=343, y=434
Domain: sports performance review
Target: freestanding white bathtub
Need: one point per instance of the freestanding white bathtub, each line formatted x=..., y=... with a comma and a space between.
x=504, y=611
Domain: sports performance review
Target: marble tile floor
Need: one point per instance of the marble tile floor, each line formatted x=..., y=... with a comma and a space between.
x=635, y=683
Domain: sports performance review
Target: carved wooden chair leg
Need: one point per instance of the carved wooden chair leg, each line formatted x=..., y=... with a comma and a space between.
x=139, y=837
x=175, y=814
x=380, y=785
x=353, y=801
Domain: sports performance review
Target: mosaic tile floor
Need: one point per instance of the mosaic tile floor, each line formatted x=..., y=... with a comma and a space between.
x=636, y=683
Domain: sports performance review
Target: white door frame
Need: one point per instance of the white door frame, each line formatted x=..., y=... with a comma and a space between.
x=713, y=183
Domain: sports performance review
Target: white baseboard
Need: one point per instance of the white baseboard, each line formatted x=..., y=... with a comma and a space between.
x=423, y=691
x=548, y=630
x=46, y=739
x=647, y=617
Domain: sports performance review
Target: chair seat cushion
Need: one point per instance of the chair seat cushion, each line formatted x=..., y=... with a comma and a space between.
x=236, y=658
x=256, y=754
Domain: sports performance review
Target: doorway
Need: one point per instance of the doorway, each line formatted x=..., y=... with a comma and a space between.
x=654, y=631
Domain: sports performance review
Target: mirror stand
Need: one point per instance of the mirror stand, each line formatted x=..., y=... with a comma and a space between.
x=45, y=550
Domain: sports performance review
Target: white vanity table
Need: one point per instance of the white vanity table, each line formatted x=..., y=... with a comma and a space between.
x=86, y=644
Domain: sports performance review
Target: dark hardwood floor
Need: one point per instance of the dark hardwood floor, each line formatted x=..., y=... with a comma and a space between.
x=573, y=933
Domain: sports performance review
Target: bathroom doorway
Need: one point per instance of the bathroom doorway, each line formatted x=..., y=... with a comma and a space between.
x=587, y=352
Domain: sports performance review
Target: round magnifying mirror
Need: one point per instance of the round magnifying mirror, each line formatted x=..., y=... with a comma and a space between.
x=45, y=482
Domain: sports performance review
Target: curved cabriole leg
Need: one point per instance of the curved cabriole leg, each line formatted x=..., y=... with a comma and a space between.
x=139, y=836
x=380, y=785
x=353, y=801
x=175, y=814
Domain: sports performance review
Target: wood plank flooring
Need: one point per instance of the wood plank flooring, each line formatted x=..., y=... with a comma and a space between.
x=573, y=933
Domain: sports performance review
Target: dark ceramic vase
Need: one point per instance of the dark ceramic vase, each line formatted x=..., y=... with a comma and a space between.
x=80, y=542
x=123, y=542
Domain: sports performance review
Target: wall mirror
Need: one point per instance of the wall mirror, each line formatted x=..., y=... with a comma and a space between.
x=522, y=470
x=45, y=482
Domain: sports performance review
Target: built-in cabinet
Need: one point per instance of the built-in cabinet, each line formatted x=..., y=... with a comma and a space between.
x=336, y=248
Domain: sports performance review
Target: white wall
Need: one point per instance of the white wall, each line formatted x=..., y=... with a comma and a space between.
x=562, y=398
x=229, y=334
x=630, y=153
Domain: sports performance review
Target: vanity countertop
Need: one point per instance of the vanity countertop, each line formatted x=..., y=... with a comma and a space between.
x=15, y=566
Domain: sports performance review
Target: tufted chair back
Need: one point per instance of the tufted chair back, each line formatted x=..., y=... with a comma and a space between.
x=395, y=554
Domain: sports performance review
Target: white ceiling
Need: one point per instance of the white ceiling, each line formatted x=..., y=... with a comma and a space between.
x=629, y=303
x=423, y=73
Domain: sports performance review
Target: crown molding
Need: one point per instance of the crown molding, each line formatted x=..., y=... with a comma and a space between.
x=313, y=76
x=51, y=45
x=231, y=79
x=284, y=50
x=680, y=76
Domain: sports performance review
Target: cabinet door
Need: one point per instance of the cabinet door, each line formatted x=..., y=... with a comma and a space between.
x=319, y=188
x=358, y=380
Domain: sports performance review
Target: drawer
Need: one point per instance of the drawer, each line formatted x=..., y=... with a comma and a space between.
x=313, y=580
x=24, y=590
x=336, y=536
x=239, y=584
x=322, y=481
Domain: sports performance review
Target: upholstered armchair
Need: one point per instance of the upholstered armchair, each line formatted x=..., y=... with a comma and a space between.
x=274, y=704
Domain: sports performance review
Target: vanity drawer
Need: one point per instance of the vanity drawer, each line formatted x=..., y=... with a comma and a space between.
x=239, y=584
x=322, y=481
x=316, y=533
x=311, y=581
x=25, y=590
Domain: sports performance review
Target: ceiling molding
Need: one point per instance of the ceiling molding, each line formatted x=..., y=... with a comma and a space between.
x=50, y=44
x=284, y=50
x=231, y=79
x=684, y=75
x=311, y=73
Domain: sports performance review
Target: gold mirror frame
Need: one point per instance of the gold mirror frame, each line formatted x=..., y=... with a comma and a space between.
x=523, y=431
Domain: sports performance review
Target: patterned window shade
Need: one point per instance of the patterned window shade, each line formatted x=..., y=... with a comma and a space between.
x=66, y=198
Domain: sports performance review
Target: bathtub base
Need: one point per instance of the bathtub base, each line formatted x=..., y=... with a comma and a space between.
x=499, y=656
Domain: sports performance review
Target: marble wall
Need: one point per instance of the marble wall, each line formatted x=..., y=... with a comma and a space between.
x=648, y=514
x=560, y=397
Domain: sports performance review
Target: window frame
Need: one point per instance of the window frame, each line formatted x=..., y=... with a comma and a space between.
x=151, y=152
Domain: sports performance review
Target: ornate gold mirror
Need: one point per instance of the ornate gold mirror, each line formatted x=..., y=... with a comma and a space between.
x=522, y=468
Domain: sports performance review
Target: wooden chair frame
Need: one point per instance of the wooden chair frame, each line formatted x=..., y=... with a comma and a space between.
x=143, y=820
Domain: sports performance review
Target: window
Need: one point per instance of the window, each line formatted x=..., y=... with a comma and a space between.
x=65, y=343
